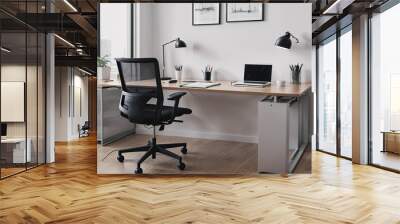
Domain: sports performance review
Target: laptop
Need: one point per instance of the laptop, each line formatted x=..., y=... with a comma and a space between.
x=256, y=75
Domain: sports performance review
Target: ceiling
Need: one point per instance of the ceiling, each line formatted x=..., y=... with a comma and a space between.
x=75, y=22
x=331, y=15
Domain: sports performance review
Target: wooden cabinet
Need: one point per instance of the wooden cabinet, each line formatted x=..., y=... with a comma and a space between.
x=391, y=142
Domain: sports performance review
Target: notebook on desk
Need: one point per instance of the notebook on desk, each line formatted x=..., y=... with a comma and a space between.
x=202, y=85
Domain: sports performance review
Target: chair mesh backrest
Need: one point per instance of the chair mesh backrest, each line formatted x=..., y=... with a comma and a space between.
x=134, y=72
x=139, y=69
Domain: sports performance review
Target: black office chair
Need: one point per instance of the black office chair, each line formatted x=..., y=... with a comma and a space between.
x=134, y=105
x=84, y=129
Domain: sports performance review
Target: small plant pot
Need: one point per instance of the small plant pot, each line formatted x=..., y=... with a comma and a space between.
x=105, y=73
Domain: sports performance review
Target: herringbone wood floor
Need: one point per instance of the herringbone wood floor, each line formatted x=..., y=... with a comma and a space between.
x=71, y=192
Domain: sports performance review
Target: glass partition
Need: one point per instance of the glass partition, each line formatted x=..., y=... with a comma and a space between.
x=385, y=90
x=115, y=42
x=327, y=96
x=22, y=77
x=15, y=149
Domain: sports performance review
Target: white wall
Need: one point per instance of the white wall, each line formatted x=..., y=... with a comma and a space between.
x=143, y=42
x=79, y=117
x=33, y=125
x=61, y=103
x=227, y=47
x=66, y=122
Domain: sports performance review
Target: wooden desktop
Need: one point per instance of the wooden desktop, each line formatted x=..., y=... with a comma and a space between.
x=225, y=87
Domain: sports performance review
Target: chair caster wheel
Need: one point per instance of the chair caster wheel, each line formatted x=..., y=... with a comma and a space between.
x=121, y=158
x=181, y=166
x=184, y=150
x=139, y=170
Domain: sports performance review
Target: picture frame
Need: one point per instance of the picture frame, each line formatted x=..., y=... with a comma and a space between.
x=244, y=12
x=206, y=14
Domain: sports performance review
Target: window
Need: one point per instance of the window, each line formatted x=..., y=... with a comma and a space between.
x=334, y=108
x=327, y=96
x=385, y=89
x=394, y=101
x=346, y=93
x=115, y=42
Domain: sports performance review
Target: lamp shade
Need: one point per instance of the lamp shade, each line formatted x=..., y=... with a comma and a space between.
x=284, y=41
x=179, y=43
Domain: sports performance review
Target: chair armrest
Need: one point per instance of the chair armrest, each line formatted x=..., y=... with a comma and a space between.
x=175, y=96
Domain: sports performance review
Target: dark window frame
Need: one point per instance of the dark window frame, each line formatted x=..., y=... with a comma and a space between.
x=381, y=9
x=334, y=37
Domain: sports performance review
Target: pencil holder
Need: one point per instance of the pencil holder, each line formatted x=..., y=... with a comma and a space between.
x=178, y=75
x=207, y=76
x=296, y=77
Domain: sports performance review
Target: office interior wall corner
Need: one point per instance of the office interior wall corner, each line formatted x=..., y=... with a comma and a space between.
x=360, y=90
x=50, y=98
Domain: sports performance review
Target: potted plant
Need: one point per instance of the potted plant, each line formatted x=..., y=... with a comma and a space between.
x=296, y=70
x=103, y=68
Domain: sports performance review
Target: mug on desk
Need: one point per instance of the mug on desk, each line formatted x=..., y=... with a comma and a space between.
x=280, y=83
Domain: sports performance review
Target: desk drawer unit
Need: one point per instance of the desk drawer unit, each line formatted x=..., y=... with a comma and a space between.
x=15, y=152
x=284, y=129
x=273, y=140
x=391, y=142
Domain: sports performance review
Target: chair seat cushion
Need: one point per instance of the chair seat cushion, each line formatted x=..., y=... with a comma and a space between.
x=167, y=113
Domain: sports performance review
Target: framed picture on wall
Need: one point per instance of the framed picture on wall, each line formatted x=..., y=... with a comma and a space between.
x=244, y=12
x=206, y=14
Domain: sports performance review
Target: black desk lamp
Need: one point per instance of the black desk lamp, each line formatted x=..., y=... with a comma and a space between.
x=178, y=44
x=285, y=42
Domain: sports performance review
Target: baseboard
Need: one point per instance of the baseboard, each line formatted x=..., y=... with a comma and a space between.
x=117, y=137
x=199, y=134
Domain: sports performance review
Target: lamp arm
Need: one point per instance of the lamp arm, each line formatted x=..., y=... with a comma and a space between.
x=297, y=40
x=170, y=42
x=163, y=60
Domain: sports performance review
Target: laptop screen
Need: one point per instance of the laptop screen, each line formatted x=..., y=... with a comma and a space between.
x=257, y=73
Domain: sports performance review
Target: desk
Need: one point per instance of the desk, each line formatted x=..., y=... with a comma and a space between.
x=285, y=119
x=225, y=87
x=13, y=150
